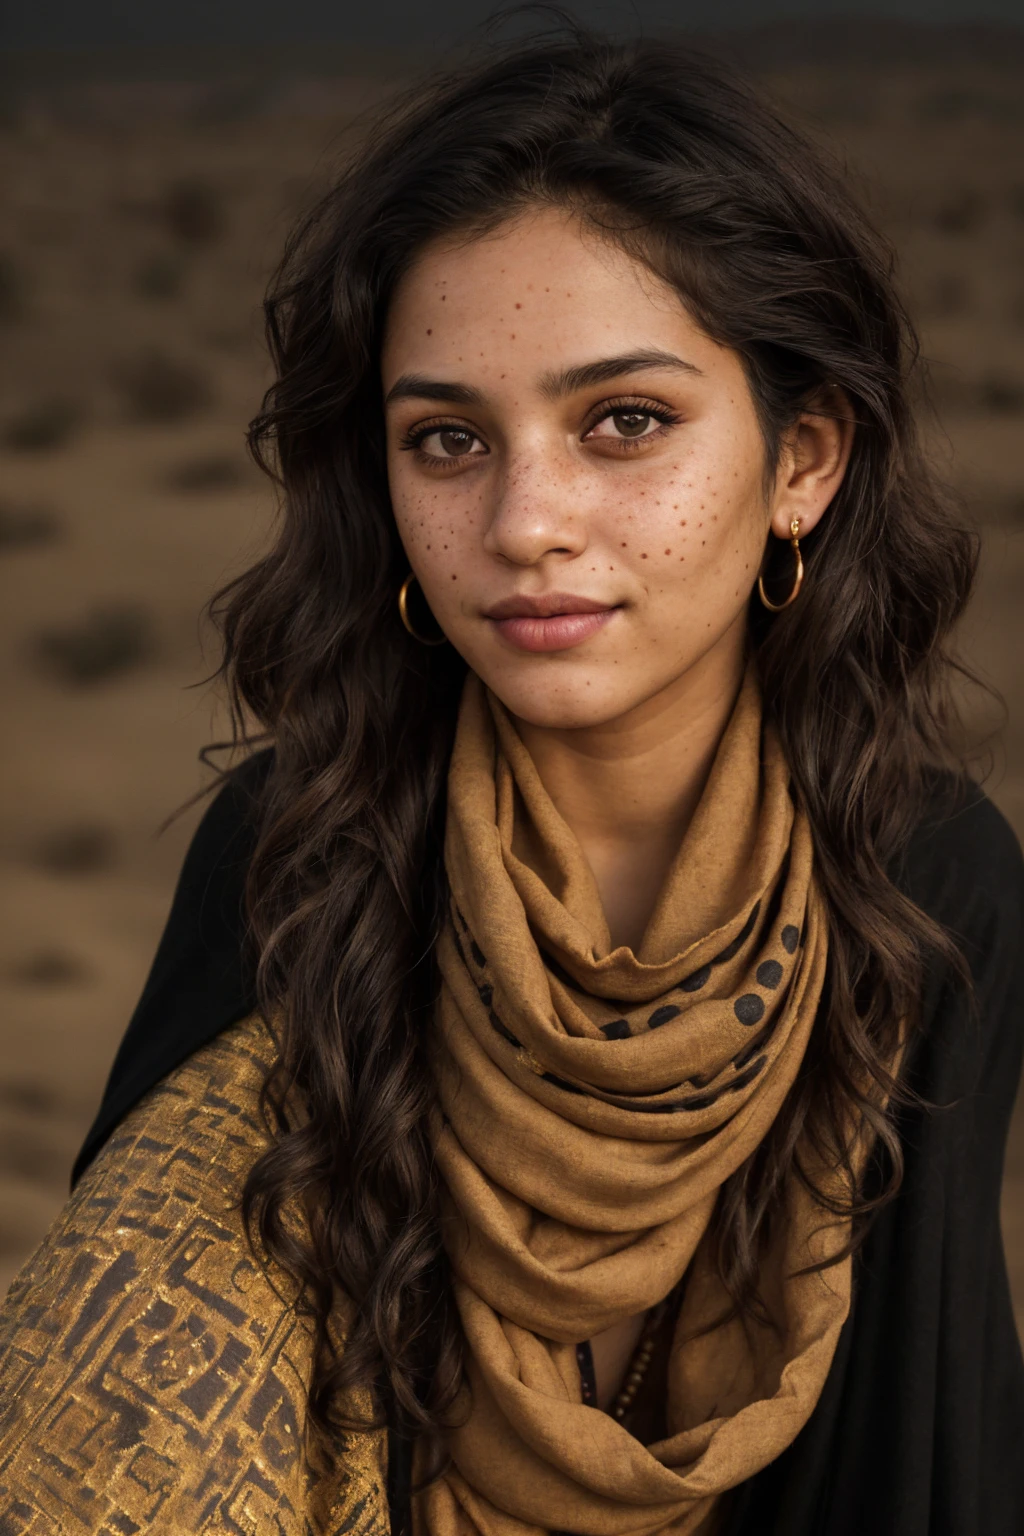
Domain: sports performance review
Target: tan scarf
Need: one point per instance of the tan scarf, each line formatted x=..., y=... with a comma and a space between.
x=594, y=1100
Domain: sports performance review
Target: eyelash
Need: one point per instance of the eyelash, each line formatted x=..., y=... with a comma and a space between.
x=632, y=404
x=412, y=439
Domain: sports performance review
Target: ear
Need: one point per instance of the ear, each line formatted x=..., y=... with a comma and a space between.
x=815, y=453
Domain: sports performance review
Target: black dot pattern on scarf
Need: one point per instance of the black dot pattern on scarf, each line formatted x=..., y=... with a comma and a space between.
x=503, y=1030
x=749, y=1008
x=663, y=1014
x=705, y=1100
x=741, y=938
x=750, y=1050
x=701, y=1081
x=748, y=1076
x=769, y=973
x=702, y=1101
x=560, y=1082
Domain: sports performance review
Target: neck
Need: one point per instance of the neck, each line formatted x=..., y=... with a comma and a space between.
x=628, y=788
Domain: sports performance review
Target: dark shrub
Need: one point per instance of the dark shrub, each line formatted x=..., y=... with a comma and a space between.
x=159, y=388
x=76, y=850
x=23, y=526
x=960, y=212
x=108, y=641
x=194, y=211
x=49, y=968
x=46, y=423
x=12, y=288
x=208, y=472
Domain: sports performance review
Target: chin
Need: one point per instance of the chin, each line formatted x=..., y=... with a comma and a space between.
x=560, y=703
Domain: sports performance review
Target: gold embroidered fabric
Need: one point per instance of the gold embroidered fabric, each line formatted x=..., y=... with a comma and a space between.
x=151, y=1381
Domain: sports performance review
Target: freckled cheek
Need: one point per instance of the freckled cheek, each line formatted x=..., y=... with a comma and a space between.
x=702, y=533
x=441, y=539
x=415, y=517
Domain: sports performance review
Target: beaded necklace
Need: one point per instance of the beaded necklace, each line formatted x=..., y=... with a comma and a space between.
x=636, y=1370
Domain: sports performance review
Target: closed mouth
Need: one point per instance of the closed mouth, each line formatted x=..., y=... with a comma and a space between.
x=548, y=606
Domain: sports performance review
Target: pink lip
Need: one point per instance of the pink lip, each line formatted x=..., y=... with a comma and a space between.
x=554, y=622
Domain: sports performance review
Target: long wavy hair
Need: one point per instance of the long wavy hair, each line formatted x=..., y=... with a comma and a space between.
x=695, y=175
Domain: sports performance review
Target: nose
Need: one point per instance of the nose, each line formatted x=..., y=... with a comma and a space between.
x=539, y=512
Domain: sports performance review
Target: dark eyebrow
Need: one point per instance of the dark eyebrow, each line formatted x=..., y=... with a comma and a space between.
x=416, y=386
x=585, y=375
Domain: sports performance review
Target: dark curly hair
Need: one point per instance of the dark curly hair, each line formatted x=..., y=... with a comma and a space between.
x=698, y=177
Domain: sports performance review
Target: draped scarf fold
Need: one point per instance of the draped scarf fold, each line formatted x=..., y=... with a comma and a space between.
x=592, y=1103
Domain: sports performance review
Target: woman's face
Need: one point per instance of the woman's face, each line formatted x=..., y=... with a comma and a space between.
x=576, y=471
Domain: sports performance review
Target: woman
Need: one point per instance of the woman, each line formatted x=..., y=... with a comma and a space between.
x=639, y=968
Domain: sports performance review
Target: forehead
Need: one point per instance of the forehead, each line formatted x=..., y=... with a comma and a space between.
x=540, y=291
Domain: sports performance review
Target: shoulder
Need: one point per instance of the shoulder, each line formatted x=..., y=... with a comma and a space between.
x=223, y=843
x=964, y=867
x=202, y=978
x=963, y=860
x=144, y=1330
x=207, y=899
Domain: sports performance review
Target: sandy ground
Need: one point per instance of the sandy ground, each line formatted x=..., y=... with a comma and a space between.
x=138, y=229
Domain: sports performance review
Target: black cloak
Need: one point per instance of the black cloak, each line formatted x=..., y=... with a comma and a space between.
x=919, y=1430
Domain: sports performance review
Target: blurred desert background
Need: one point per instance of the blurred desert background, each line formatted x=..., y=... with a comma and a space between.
x=143, y=209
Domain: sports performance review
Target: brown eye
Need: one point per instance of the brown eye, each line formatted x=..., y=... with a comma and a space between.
x=442, y=445
x=454, y=442
x=631, y=423
x=628, y=423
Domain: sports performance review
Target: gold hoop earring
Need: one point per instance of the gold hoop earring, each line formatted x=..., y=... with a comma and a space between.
x=794, y=531
x=403, y=609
